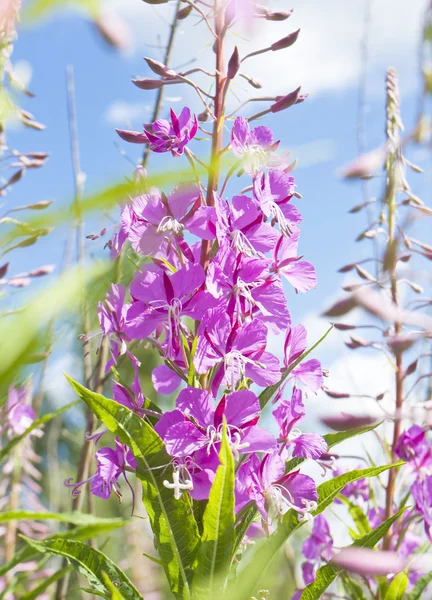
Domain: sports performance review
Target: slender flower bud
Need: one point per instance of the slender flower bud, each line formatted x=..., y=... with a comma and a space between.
x=149, y=84
x=286, y=42
x=255, y=83
x=233, y=64
x=281, y=15
x=285, y=101
x=184, y=12
x=159, y=68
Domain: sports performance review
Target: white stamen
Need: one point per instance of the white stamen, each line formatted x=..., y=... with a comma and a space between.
x=177, y=485
x=170, y=225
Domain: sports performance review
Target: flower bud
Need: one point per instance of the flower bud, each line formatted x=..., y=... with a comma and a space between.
x=113, y=30
x=140, y=174
x=203, y=117
x=285, y=101
x=279, y=15
x=155, y=1
x=255, y=83
x=233, y=64
x=41, y=271
x=184, y=12
x=3, y=270
x=148, y=84
x=159, y=68
x=286, y=42
x=133, y=137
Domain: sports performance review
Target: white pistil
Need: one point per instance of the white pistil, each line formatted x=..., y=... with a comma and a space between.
x=170, y=225
x=177, y=485
x=236, y=445
x=243, y=245
x=280, y=218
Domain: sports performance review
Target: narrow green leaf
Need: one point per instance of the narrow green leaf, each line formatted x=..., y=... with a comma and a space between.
x=267, y=394
x=82, y=534
x=89, y=562
x=76, y=518
x=358, y=516
x=37, y=423
x=172, y=521
x=397, y=587
x=417, y=592
x=332, y=440
x=266, y=550
x=214, y=555
x=352, y=587
x=245, y=520
x=113, y=591
x=328, y=573
x=37, y=591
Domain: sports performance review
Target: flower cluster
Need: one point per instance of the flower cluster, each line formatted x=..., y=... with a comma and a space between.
x=210, y=318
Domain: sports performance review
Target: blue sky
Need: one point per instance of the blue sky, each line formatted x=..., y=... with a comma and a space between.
x=321, y=132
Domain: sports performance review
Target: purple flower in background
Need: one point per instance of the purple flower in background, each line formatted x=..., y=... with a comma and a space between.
x=309, y=372
x=195, y=424
x=159, y=298
x=241, y=226
x=275, y=492
x=165, y=136
x=320, y=544
x=19, y=413
x=111, y=464
x=287, y=415
x=299, y=273
x=112, y=318
x=413, y=445
x=272, y=192
x=237, y=352
x=355, y=489
x=421, y=491
x=255, y=147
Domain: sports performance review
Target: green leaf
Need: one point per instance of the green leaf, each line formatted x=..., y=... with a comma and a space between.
x=357, y=515
x=266, y=550
x=352, y=588
x=244, y=519
x=268, y=393
x=42, y=8
x=214, y=555
x=172, y=521
x=82, y=534
x=114, y=592
x=37, y=423
x=397, y=587
x=332, y=440
x=89, y=562
x=37, y=591
x=328, y=573
x=76, y=518
x=417, y=592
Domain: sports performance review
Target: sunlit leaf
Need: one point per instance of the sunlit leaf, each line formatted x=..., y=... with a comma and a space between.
x=214, y=556
x=172, y=521
x=328, y=573
x=89, y=562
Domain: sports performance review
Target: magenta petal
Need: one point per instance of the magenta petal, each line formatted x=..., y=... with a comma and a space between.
x=165, y=380
x=197, y=404
x=301, y=489
x=300, y=274
x=242, y=408
x=309, y=445
x=273, y=468
x=142, y=321
x=269, y=374
x=310, y=374
x=167, y=420
x=182, y=439
x=259, y=440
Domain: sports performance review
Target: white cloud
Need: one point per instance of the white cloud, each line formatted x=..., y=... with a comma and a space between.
x=124, y=113
x=326, y=56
